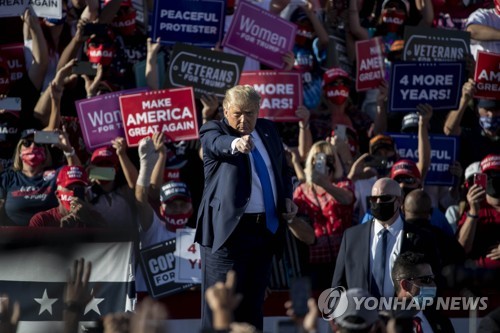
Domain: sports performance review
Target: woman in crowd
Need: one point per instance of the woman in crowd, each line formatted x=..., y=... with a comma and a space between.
x=326, y=201
x=29, y=186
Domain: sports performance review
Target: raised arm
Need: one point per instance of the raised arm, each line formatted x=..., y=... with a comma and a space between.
x=44, y=107
x=152, y=78
x=454, y=118
x=40, y=50
x=157, y=175
x=424, y=145
x=355, y=27
x=380, y=123
x=427, y=11
x=148, y=157
x=483, y=32
x=129, y=169
x=305, y=136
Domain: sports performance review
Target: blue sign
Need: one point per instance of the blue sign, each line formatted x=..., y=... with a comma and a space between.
x=436, y=83
x=444, y=151
x=199, y=23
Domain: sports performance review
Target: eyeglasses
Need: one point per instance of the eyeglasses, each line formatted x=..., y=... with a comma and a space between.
x=406, y=180
x=382, y=198
x=426, y=279
x=27, y=143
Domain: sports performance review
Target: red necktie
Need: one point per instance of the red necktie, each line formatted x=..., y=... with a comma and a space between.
x=417, y=325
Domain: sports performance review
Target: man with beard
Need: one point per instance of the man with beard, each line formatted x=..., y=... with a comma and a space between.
x=479, y=227
x=368, y=250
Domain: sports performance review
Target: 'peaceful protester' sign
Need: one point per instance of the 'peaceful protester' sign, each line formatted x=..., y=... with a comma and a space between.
x=427, y=44
x=436, y=83
x=281, y=93
x=261, y=35
x=444, y=151
x=208, y=72
x=198, y=22
x=172, y=112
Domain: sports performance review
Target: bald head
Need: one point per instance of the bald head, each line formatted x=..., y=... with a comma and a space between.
x=386, y=186
x=417, y=204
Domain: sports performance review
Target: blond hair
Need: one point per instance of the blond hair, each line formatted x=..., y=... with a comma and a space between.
x=241, y=95
x=17, y=164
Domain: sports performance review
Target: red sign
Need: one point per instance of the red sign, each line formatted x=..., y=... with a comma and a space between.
x=172, y=112
x=15, y=60
x=281, y=93
x=370, y=63
x=487, y=75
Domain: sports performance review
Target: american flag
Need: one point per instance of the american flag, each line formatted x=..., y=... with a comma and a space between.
x=34, y=265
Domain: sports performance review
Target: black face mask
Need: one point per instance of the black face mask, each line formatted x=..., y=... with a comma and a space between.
x=382, y=211
x=493, y=187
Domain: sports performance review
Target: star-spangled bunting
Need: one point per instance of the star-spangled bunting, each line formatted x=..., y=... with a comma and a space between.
x=93, y=304
x=45, y=302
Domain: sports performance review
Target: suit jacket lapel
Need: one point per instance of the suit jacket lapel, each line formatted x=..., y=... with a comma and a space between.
x=366, y=239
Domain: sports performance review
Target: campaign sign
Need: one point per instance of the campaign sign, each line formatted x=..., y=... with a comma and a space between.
x=172, y=112
x=11, y=8
x=42, y=8
x=443, y=153
x=436, y=83
x=370, y=63
x=47, y=8
x=260, y=34
x=208, y=72
x=198, y=22
x=158, y=265
x=15, y=60
x=487, y=75
x=281, y=93
x=337, y=54
x=100, y=118
x=188, y=257
x=428, y=44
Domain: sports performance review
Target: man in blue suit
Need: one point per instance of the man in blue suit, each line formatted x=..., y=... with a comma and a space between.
x=246, y=203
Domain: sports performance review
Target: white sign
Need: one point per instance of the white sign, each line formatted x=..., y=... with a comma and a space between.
x=42, y=8
x=188, y=259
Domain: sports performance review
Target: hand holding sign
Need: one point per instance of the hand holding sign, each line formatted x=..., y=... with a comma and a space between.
x=425, y=112
x=468, y=90
x=120, y=145
x=303, y=113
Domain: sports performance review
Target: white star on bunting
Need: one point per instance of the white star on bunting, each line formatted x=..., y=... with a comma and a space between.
x=45, y=303
x=93, y=304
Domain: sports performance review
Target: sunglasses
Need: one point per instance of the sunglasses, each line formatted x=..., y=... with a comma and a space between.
x=406, y=180
x=27, y=143
x=426, y=279
x=382, y=198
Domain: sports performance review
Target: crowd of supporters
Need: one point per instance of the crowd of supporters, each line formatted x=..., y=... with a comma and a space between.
x=336, y=152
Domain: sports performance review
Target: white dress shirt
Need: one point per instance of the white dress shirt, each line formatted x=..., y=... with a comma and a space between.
x=394, y=238
x=256, y=203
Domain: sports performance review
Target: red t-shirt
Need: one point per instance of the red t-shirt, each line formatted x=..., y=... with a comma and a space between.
x=332, y=217
x=47, y=218
x=487, y=235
